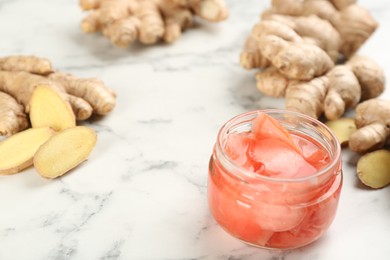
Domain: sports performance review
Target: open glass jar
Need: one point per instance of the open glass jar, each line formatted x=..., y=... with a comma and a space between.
x=269, y=212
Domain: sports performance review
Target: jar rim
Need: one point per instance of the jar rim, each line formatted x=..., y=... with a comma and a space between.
x=335, y=156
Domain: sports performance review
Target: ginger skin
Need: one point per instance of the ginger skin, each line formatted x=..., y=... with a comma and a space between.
x=370, y=75
x=86, y=96
x=251, y=56
x=311, y=29
x=92, y=90
x=354, y=23
x=290, y=58
x=149, y=21
x=308, y=30
x=30, y=64
x=343, y=90
x=373, y=122
x=337, y=27
x=307, y=97
x=271, y=82
x=12, y=116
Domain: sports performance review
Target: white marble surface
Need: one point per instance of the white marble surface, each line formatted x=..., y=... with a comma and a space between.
x=142, y=193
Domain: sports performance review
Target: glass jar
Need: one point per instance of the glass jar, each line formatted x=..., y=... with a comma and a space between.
x=275, y=212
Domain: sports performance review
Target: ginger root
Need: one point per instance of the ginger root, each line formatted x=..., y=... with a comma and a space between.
x=370, y=75
x=306, y=97
x=17, y=151
x=20, y=75
x=310, y=29
x=353, y=22
x=341, y=90
x=344, y=92
x=64, y=151
x=12, y=116
x=372, y=120
x=149, y=21
x=303, y=39
x=290, y=58
x=320, y=45
x=30, y=64
x=373, y=169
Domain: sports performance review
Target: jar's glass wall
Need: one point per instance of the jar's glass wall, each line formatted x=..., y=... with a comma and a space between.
x=274, y=213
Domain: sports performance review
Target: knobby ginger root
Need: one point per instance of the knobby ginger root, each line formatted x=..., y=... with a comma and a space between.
x=148, y=21
x=30, y=64
x=353, y=22
x=344, y=92
x=49, y=109
x=291, y=59
x=343, y=88
x=373, y=122
x=370, y=75
x=340, y=4
x=373, y=169
x=20, y=75
x=306, y=97
x=100, y=97
x=12, y=116
x=342, y=128
x=251, y=56
x=271, y=82
x=21, y=84
x=17, y=151
x=64, y=151
x=308, y=30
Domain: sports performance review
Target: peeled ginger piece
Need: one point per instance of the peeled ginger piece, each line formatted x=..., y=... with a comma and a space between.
x=342, y=128
x=373, y=169
x=17, y=151
x=64, y=151
x=49, y=109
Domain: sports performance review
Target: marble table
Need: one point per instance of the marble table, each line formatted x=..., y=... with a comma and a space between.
x=142, y=193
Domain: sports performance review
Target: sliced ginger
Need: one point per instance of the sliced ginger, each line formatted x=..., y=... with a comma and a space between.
x=17, y=151
x=342, y=128
x=373, y=169
x=53, y=100
x=49, y=109
x=20, y=76
x=64, y=151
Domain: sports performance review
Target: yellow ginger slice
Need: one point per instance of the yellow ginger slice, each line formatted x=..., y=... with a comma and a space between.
x=49, y=109
x=64, y=151
x=342, y=128
x=373, y=169
x=17, y=151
